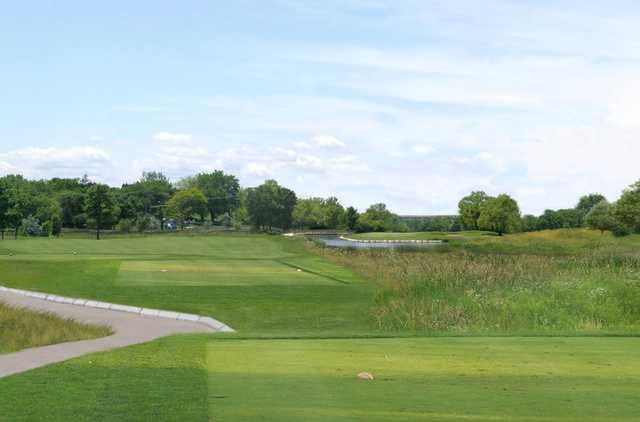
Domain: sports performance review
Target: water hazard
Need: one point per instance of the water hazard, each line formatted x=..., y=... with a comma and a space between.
x=338, y=242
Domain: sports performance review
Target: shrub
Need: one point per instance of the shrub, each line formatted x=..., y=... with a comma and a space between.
x=31, y=226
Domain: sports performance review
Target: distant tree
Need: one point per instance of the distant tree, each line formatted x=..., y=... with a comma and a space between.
x=549, y=220
x=469, y=209
x=221, y=190
x=308, y=213
x=627, y=208
x=600, y=217
x=4, y=208
x=587, y=202
x=377, y=218
x=271, y=205
x=148, y=196
x=500, y=214
x=72, y=205
x=30, y=226
x=100, y=206
x=186, y=204
x=530, y=223
x=569, y=218
x=351, y=217
x=333, y=213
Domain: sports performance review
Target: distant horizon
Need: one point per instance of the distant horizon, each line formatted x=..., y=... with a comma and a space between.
x=413, y=104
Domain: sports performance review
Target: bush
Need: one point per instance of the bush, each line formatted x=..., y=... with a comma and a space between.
x=31, y=226
x=125, y=225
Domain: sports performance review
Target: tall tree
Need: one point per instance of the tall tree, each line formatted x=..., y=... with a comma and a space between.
x=186, y=204
x=221, y=190
x=469, y=209
x=500, y=214
x=627, y=208
x=271, y=205
x=600, y=217
x=587, y=202
x=377, y=218
x=100, y=205
x=351, y=217
x=4, y=208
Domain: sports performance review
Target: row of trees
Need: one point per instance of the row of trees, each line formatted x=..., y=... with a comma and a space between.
x=44, y=207
x=479, y=211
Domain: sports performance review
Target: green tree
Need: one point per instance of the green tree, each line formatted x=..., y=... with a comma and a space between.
x=72, y=206
x=333, y=213
x=500, y=214
x=627, y=208
x=587, y=202
x=469, y=209
x=221, y=190
x=100, y=205
x=186, y=204
x=308, y=214
x=271, y=205
x=377, y=218
x=530, y=223
x=351, y=218
x=148, y=196
x=600, y=217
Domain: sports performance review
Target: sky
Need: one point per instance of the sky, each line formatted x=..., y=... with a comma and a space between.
x=410, y=103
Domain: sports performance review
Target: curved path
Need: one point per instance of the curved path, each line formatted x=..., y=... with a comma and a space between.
x=129, y=328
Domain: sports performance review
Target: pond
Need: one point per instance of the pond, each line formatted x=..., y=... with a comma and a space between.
x=338, y=242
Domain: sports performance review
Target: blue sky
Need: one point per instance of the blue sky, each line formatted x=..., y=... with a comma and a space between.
x=412, y=103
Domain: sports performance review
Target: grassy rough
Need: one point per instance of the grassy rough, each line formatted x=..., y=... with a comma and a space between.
x=473, y=289
x=22, y=328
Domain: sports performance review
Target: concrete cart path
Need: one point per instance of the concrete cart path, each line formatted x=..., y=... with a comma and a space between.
x=129, y=328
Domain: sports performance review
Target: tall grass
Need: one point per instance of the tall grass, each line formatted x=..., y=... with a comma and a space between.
x=475, y=292
x=21, y=328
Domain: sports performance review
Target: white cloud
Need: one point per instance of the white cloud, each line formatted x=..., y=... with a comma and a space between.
x=173, y=137
x=302, y=145
x=422, y=149
x=58, y=162
x=257, y=169
x=328, y=141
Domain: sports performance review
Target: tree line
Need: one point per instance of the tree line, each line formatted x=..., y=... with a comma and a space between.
x=153, y=203
x=501, y=214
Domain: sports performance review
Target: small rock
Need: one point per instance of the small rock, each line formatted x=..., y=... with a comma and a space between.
x=366, y=376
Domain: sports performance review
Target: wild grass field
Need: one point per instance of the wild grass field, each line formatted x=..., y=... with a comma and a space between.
x=310, y=319
x=589, y=284
x=22, y=328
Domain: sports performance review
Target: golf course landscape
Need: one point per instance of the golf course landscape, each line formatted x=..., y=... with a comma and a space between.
x=532, y=327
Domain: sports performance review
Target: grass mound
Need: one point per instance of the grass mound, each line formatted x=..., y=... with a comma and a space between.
x=22, y=328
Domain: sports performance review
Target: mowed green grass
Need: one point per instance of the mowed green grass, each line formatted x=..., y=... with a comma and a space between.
x=21, y=328
x=261, y=285
x=435, y=379
x=200, y=378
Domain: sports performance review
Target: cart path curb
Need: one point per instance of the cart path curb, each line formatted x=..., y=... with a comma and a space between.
x=157, y=313
x=130, y=325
